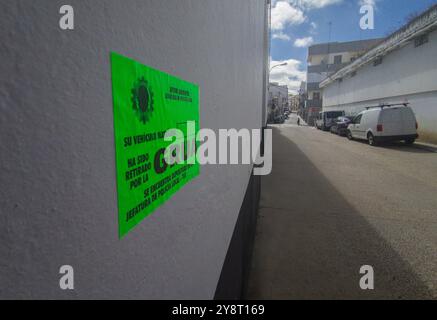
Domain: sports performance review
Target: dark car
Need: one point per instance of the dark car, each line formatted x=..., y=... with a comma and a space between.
x=279, y=119
x=340, y=125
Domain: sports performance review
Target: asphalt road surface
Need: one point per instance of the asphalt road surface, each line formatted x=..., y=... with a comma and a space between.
x=331, y=206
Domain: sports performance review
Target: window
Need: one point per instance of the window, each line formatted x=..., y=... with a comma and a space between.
x=421, y=40
x=337, y=59
x=357, y=119
x=334, y=114
x=377, y=62
x=316, y=96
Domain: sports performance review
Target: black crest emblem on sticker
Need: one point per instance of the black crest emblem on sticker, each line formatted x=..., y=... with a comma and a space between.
x=142, y=100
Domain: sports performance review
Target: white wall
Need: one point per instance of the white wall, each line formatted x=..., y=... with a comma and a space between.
x=317, y=77
x=408, y=74
x=58, y=201
x=279, y=91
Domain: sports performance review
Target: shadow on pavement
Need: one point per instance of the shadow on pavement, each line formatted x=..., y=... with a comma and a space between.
x=414, y=148
x=311, y=242
x=401, y=146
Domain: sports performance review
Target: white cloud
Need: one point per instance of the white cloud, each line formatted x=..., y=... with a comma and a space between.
x=290, y=75
x=303, y=42
x=284, y=14
x=367, y=2
x=292, y=12
x=313, y=28
x=373, y=3
x=281, y=36
x=313, y=4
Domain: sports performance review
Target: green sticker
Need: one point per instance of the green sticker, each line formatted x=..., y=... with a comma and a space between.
x=147, y=103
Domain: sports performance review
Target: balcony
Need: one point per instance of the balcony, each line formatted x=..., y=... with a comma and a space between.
x=314, y=103
x=313, y=86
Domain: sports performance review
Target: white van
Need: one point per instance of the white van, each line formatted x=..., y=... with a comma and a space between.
x=393, y=122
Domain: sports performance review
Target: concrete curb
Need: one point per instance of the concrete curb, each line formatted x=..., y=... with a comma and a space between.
x=426, y=146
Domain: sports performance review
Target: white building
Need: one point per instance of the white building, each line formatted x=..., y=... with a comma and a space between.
x=325, y=59
x=278, y=100
x=403, y=68
x=58, y=190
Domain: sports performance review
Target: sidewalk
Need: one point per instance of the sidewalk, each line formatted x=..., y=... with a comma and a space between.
x=293, y=120
x=427, y=146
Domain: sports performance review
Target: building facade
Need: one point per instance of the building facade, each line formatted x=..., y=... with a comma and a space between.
x=58, y=187
x=302, y=99
x=400, y=69
x=324, y=60
x=278, y=101
x=294, y=102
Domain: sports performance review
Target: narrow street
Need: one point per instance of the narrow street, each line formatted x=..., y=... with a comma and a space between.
x=331, y=206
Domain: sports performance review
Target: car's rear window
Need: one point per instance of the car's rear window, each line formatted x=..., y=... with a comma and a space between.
x=334, y=114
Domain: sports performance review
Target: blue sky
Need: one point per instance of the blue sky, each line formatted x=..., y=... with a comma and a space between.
x=299, y=23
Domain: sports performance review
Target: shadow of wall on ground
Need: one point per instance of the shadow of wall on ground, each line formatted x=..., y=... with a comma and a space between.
x=311, y=242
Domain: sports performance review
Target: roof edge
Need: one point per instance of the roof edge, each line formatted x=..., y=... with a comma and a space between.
x=421, y=24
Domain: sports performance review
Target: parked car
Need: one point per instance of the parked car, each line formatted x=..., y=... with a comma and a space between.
x=393, y=122
x=326, y=119
x=279, y=119
x=340, y=125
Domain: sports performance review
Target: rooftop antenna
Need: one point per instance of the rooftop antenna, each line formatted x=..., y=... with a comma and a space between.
x=329, y=46
x=329, y=41
x=361, y=34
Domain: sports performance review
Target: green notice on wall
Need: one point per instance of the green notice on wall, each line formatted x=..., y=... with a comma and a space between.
x=147, y=103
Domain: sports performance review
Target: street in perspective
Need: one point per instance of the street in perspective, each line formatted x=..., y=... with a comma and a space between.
x=332, y=205
x=349, y=210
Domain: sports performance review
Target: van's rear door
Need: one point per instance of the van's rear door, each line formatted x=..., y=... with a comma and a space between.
x=392, y=122
x=408, y=121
